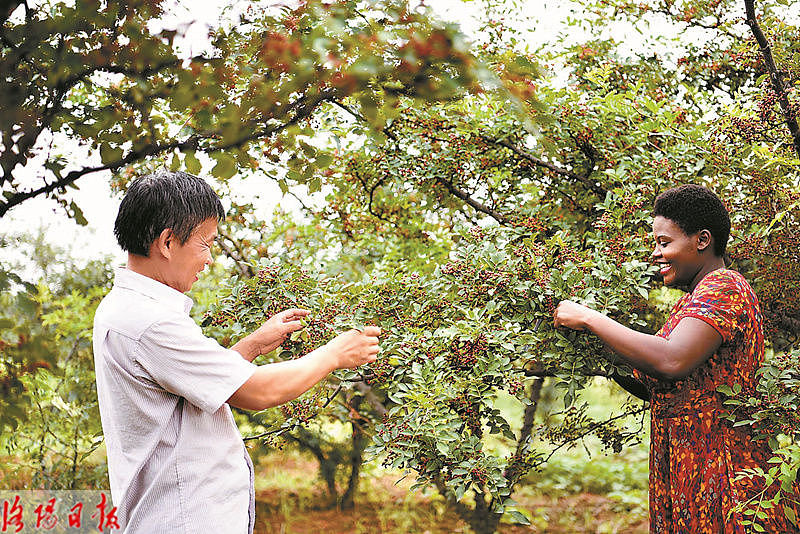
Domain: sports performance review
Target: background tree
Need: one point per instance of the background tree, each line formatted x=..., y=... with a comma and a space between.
x=50, y=417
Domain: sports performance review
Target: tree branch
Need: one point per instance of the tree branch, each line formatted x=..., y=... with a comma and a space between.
x=302, y=109
x=386, y=131
x=8, y=8
x=371, y=398
x=524, y=154
x=463, y=195
x=774, y=75
x=245, y=269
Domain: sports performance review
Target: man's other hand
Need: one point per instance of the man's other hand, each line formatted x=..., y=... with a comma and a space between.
x=277, y=328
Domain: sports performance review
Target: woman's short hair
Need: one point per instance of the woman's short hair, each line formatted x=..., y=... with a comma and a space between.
x=164, y=199
x=694, y=208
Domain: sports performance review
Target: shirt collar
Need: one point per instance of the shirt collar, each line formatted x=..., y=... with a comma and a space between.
x=149, y=287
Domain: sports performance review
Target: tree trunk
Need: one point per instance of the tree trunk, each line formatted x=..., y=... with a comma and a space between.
x=358, y=442
x=483, y=520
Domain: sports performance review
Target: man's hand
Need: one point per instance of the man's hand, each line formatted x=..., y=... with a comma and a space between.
x=354, y=347
x=278, y=327
x=271, y=334
x=280, y=382
x=572, y=315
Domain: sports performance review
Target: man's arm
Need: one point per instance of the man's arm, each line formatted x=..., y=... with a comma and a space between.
x=689, y=344
x=276, y=383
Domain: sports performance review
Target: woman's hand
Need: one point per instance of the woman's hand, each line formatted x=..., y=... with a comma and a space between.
x=572, y=315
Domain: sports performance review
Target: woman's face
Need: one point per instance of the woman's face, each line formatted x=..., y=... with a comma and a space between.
x=676, y=253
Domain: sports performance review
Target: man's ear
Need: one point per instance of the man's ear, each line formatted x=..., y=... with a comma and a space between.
x=704, y=240
x=163, y=245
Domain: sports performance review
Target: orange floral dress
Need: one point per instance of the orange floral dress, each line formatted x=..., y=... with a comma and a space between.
x=695, y=455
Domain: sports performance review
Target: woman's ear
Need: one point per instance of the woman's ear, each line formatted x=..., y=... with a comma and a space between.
x=163, y=243
x=704, y=240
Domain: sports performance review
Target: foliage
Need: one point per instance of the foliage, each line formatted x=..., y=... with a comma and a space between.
x=51, y=420
x=95, y=73
x=451, y=210
x=557, y=192
x=452, y=340
x=772, y=412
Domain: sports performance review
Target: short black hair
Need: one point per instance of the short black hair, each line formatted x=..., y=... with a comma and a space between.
x=694, y=208
x=160, y=200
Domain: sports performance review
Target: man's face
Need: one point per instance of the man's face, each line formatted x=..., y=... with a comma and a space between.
x=188, y=259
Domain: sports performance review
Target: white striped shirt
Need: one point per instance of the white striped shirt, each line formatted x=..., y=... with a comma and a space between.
x=176, y=460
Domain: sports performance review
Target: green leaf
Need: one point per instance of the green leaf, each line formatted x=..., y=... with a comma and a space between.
x=323, y=160
x=726, y=390
x=519, y=518
x=790, y=515
x=77, y=214
x=191, y=163
x=225, y=167
x=109, y=154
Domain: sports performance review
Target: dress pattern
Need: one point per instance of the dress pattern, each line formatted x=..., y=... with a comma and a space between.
x=695, y=455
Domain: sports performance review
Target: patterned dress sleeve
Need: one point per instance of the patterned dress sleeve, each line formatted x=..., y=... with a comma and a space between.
x=718, y=300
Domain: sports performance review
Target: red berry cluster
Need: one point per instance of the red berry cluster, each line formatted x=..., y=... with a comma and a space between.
x=268, y=276
x=302, y=409
x=475, y=282
x=479, y=475
x=519, y=465
x=221, y=317
x=532, y=223
x=463, y=354
x=516, y=387
x=469, y=410
x=381, y=370
x=398, y=433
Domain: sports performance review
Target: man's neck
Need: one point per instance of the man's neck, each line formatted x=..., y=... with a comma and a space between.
x=146, y=267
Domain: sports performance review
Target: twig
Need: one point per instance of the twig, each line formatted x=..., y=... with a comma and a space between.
x=292, y=426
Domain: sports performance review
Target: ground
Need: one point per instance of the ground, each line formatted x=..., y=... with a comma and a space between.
x=385, y=506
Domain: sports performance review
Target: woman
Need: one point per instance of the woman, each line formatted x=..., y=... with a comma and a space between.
x=713, y=337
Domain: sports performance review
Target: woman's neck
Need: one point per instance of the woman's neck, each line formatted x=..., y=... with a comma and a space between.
x=710, y=266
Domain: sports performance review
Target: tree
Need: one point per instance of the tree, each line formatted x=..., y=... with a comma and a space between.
x=559, y=192
x=94, y=73
x=50, y=419
x=457, y=225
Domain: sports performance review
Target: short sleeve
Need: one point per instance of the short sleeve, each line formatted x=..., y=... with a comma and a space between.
x=717, y=300
x=178, y=357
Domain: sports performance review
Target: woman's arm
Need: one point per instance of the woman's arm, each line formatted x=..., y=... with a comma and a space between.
x=689, y=344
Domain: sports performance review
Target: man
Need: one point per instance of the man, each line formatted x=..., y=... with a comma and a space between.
x=177, y=462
